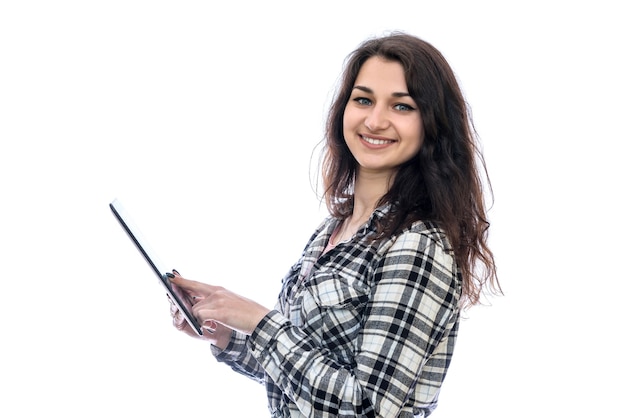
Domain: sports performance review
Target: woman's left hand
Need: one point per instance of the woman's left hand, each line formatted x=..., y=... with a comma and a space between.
x=214, y=303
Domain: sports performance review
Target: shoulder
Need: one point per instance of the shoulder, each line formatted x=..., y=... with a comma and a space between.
x=422, y=246
x=325, y=227
x=421, y=256
x=423, y=236
x=428, y=233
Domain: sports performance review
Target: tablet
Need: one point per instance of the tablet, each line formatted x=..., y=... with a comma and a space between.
x=177, y=297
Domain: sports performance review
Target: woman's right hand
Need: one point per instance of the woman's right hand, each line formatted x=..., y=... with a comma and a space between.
x=215, y=333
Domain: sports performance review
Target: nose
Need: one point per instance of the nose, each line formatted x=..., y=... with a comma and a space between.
x=377, y=119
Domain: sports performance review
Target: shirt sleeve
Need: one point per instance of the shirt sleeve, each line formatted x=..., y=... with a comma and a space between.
x=237, y=356
x=412, y=307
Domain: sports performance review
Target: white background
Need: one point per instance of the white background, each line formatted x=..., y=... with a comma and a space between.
x=203, y=118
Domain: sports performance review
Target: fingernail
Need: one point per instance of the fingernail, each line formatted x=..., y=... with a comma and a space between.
x=176, y=271
x=210, y=326
x=170, y=275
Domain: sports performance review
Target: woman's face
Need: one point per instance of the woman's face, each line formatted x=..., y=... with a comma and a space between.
x=381, y=124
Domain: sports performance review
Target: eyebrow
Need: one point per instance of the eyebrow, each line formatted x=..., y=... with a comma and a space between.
x=370, y=91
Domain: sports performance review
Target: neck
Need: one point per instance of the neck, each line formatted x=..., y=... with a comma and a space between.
x=369, y=188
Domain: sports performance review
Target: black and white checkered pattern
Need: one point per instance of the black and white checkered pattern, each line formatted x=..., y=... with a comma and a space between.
x=363, y=330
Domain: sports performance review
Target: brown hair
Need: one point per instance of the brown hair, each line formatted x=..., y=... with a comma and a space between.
x=442, y=182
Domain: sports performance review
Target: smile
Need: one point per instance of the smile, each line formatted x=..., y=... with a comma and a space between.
x=376, y=141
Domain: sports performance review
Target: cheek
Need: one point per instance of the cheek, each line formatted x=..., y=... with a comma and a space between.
x=418, y=130
x=416, y=133
x=349, y=120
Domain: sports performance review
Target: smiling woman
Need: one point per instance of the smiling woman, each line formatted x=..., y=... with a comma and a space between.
x=382, y=125
x=367, y=320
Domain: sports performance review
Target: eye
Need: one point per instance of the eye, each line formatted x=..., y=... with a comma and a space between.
x=404, y=107
x=362, y=101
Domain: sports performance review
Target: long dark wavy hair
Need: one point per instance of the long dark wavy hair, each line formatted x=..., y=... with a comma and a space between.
x=442, y=183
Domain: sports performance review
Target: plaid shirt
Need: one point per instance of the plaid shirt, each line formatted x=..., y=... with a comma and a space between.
x=366, y=329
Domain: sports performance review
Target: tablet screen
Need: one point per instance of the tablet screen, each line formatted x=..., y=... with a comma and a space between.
x=177, y=297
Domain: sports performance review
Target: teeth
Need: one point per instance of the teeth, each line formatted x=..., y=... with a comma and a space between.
x=375, y=141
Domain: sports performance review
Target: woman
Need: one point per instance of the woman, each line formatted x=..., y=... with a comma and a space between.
x=367, y=319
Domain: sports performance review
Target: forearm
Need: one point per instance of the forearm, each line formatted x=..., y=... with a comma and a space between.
x=307, y=374
x=235, y=354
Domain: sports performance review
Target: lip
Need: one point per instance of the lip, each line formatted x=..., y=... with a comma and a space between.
x=387, y=142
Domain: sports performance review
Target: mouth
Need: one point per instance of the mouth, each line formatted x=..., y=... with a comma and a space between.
x=376, y=141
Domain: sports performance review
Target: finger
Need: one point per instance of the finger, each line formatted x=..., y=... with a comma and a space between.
x=191, y=286
x=210, y=326
x=175, y=317
x=195, y=299
x=179, y=320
